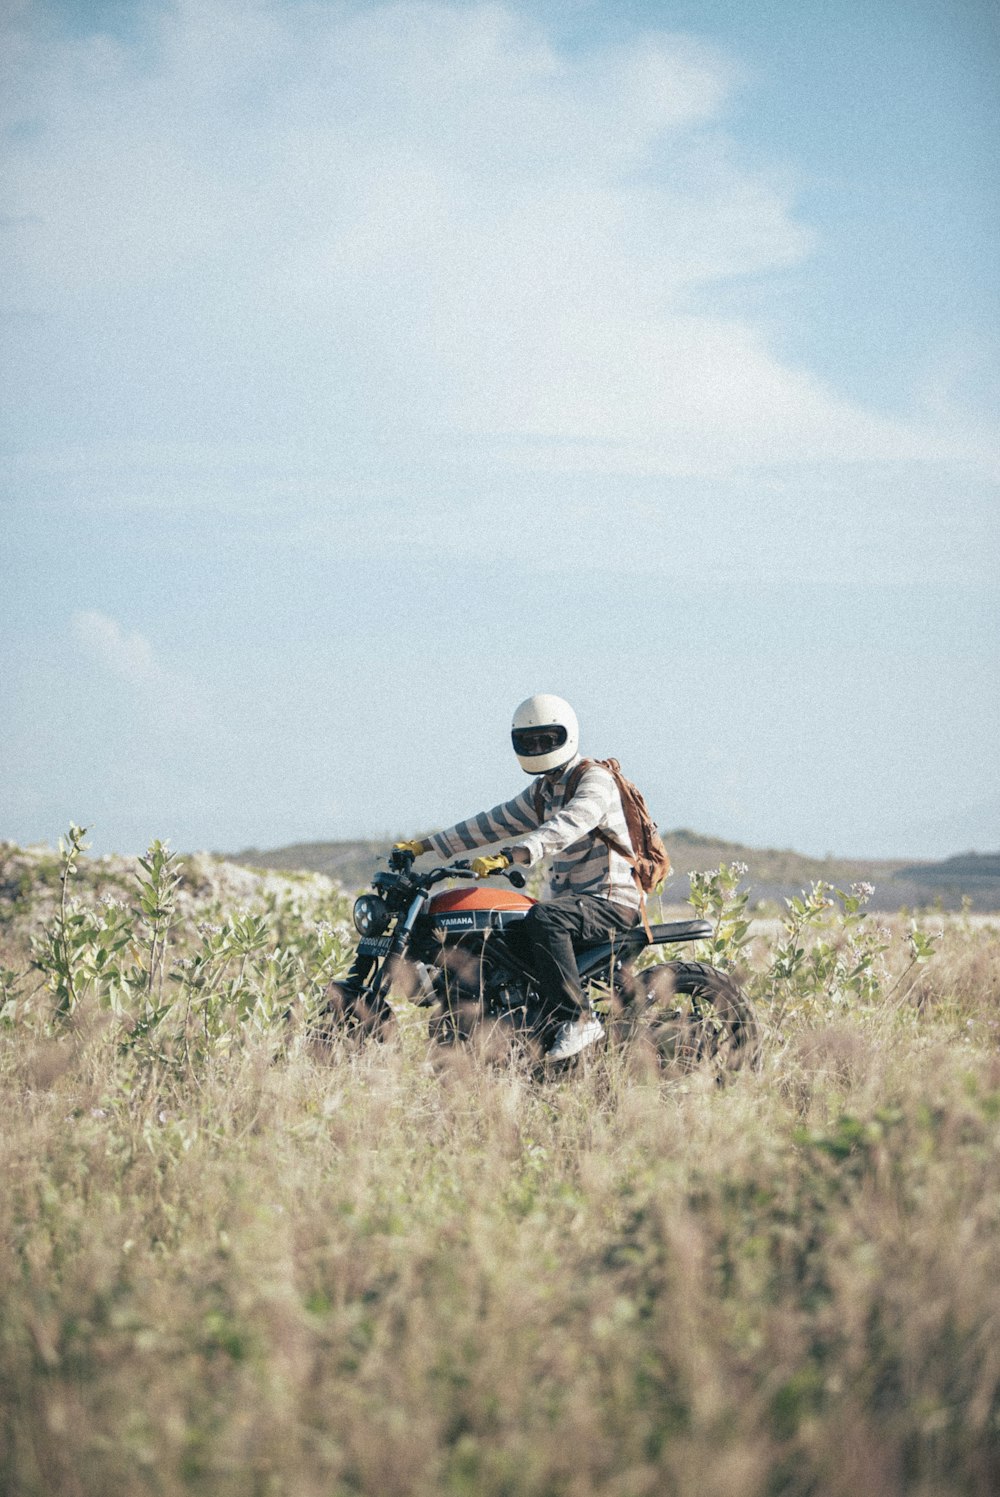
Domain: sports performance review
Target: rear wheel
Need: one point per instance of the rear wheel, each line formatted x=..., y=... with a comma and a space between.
x=692, y=1016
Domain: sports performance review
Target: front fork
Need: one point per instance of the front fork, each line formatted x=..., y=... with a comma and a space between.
x=362, y=966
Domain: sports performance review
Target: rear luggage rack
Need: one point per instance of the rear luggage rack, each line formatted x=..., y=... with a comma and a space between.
x=680, y=930
x=635, y=940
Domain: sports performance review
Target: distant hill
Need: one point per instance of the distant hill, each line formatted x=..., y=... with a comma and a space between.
x=350, y=863
x=971, y=875
x=774, y=874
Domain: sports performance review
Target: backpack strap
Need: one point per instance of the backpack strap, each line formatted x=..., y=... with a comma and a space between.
x=577, y=774
x=608, y=838
x=572, y=786
x=623, y=852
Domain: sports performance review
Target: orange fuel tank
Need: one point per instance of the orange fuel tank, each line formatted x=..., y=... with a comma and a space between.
x=453, y=900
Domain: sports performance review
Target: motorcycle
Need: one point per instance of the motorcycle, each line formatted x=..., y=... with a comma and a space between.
x=455, y=952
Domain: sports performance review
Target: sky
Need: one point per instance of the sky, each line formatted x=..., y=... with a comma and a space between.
x=368, y=367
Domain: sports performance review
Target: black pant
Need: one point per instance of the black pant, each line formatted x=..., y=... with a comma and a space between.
x=546, y=935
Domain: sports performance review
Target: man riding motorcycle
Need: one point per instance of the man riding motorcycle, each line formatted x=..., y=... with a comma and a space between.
x=593, y=891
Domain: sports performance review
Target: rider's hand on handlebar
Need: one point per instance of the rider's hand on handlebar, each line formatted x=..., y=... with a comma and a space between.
x=481, y=867
x=417, y=847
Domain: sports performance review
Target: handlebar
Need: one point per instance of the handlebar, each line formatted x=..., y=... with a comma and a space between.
x=463, y=869
x=401, y=861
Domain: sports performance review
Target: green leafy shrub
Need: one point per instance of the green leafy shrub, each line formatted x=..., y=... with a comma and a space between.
x=828, y=955
x=177, y=995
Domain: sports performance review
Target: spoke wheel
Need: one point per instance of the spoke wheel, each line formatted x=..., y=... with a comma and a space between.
x=692, y=1016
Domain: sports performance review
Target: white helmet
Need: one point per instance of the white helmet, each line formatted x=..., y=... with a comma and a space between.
x=545, y=733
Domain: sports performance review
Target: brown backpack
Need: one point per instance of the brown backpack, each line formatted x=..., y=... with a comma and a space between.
x=649, y=858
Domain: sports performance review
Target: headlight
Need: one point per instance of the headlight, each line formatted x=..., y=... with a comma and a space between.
x=371, y=915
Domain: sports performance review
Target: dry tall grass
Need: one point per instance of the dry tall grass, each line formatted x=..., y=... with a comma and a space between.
x=408, y=1275
x=371, y=1276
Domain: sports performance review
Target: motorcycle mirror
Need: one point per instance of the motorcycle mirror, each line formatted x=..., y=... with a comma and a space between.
x=517, y=878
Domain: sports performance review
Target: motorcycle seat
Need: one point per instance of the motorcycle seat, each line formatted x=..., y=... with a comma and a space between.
x=669, y=934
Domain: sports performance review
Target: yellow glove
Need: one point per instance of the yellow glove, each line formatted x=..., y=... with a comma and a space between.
x=416, y=847
x=482, y=866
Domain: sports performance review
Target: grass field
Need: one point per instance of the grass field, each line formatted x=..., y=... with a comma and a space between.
x=231, y=1265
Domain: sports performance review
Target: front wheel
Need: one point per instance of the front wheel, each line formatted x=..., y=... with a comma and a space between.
x=353, y=1012
x=692, y=1016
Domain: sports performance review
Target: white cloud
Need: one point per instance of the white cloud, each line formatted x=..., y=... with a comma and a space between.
x=128, y=656
x=417, y=217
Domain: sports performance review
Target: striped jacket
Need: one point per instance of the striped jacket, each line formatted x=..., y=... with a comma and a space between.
x=582, y=863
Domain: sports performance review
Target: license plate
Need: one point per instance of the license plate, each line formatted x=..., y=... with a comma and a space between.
x=375, y=945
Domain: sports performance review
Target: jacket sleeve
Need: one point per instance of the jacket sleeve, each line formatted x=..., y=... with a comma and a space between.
x=590, y=805
x=499, y=825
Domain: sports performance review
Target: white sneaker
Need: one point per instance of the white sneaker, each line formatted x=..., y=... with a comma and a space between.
x=573, y=1036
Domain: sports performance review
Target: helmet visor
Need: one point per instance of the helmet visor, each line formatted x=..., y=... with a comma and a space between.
x=531, y=743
